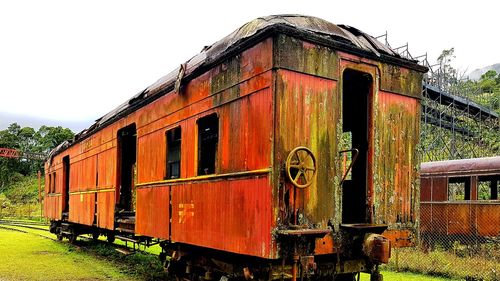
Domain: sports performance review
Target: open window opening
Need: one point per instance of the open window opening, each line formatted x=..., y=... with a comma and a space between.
x=54, y=182
x=459, y=188
x=487, y=188
x=50, y=183
x=356, y=87
x=65, y=190
x=173, y=153
x=127, y=146
x=208, y=137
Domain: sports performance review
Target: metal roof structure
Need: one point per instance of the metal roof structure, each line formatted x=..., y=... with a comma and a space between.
x=484, y=165
x=312, y=29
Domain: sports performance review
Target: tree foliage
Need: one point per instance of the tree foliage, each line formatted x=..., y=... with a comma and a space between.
x=27, y=139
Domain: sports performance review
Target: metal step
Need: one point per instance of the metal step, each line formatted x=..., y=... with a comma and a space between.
x=124, y=251
x=128, y=230
x=130, y=220
x=128, y=239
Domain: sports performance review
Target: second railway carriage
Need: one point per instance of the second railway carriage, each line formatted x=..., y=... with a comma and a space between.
x=459, y=200
x=286, y=149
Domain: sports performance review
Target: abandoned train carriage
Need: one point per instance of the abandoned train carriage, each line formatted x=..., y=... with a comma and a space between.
x=239, y=156
x=459, y=200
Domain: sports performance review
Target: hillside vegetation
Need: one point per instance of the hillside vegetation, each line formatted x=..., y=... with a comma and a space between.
x=18, y=176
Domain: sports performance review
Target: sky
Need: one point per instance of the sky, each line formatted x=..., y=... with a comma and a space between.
x=70, y=62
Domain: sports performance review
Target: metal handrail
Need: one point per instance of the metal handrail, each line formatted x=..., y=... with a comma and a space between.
x=356, y=153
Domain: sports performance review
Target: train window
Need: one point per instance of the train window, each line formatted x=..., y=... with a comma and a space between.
x=50, y=184
x=54, y=181
x=208, y=135
x=173, y=153
x=459, y=188
x=487, y=187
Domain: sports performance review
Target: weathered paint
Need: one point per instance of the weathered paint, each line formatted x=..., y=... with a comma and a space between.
x=238, y=211
x=307, y=110
x=277, y=95
x=396, y=167
x=439, y=216
x=478, y=218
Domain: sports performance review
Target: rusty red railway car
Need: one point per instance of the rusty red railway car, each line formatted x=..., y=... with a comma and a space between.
x=459, y=199
x=287, y=149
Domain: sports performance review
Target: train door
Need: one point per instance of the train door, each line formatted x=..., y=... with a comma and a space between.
x=356, y=88
x=127, y=140
x=65, y=190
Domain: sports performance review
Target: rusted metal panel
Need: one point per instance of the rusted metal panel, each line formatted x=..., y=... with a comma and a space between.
x=401, y=238
x=324, y=245
x=402, y=81
x=488, y=219
x=152, y=212
x=105, y=209
x=425, y=189
x=307, y=115
x=52, y=206
x=300, y=56
x=467, y=218
x=82, y=207
x=396, y=187
x=106, y=168
x=246, y=133
x=225, y=215
x=439, y=189
x=151, y=160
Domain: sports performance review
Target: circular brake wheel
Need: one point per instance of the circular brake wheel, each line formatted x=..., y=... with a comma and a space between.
x=300, y=167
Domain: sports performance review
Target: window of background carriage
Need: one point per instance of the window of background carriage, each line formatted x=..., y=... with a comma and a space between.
x=173, y=153
x=487, y=187
x=459, y=188
x=208, y=136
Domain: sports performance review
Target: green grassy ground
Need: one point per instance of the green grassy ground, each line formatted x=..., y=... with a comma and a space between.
x=29, y=257
x=403, y=276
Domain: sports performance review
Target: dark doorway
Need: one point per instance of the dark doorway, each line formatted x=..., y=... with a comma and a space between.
x=355, y=117
x=66, y=184
x=127, y=140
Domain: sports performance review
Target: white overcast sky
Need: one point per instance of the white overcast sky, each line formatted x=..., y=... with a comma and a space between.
x=76, y=60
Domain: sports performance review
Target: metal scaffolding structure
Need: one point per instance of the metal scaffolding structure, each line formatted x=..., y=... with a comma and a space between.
x=453, y=126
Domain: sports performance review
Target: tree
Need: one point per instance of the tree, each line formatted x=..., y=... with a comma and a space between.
x=447, y=75
x=53, y=136
x=487, y=82
x=29, y=140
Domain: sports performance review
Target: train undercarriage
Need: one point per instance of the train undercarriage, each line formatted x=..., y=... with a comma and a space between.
x=360, y=248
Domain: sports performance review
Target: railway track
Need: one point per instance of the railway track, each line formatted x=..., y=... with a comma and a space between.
x=26, y=226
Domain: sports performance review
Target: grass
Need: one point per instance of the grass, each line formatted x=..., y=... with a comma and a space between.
x=30, y=257
x=446, y=264
x=403, y=276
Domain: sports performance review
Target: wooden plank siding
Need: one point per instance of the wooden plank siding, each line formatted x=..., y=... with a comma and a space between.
x=270, y=98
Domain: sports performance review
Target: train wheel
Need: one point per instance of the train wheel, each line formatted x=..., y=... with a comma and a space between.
x=72, y=237
x=59, y=237
x=111, y=237
x=95, y=235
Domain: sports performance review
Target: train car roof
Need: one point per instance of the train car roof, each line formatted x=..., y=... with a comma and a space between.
x=486, y=165
x=313, y=29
